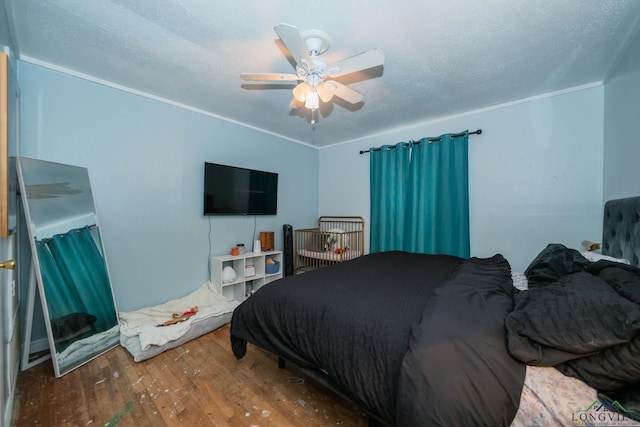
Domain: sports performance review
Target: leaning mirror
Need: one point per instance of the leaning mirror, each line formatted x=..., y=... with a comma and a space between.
x=68, y=262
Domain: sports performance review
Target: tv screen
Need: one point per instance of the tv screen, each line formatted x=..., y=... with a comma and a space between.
x=229, y=190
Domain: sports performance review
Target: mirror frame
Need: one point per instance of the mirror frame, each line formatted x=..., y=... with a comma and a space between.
x=4, y=145
x=59, y=368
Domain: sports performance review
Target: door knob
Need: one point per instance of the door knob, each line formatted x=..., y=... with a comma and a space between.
x=9, y=265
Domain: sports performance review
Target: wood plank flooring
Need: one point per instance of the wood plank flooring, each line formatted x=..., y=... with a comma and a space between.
x=197, y=384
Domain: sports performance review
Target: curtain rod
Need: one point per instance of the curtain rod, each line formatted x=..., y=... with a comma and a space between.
x=477, y=132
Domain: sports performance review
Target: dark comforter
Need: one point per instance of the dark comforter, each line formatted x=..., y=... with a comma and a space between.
x=583, y=318
x=415, y=339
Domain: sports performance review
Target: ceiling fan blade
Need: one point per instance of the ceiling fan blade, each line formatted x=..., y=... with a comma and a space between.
x=294, y=43
x=346, y=93
x=362, y=61
x=263, y=77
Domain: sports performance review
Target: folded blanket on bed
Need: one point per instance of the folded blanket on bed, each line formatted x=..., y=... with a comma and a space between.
x=143, y=323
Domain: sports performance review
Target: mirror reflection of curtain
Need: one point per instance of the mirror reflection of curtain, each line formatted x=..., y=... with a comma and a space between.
x=420, y=196
x=75, y=280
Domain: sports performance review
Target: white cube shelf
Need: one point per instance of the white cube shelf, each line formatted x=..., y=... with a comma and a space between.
x=248, y=280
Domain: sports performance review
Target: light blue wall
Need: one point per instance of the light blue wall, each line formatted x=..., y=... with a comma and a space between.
x=535, y=173
x=622, y=133
x=145, y=160
x=6, y=43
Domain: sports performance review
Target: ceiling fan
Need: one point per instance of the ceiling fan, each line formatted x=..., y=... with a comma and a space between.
x=316, y=77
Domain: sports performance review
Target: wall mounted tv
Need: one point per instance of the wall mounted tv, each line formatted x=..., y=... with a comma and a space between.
x=230, y=190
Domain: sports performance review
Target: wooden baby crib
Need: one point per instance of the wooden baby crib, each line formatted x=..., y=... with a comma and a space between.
x=336, y=239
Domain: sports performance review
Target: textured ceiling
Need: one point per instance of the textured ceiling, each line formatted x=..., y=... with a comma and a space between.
x=441, y=57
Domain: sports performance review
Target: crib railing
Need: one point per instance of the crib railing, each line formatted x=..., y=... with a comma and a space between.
x=336, y=239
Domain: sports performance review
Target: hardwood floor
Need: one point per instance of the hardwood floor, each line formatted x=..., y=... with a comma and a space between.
x=198, y=384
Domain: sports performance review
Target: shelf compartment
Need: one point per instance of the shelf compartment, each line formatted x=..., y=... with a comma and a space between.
x=244, y=283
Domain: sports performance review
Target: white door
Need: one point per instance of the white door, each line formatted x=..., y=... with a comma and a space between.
x=9, y=355
x=3, y=250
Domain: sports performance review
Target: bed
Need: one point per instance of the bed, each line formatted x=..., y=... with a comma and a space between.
x=336, y=239
x=418, y=339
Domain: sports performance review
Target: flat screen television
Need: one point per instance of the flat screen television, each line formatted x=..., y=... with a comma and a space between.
x=230, y=190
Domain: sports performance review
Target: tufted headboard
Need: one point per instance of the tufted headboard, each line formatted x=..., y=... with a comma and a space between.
x=621, y=229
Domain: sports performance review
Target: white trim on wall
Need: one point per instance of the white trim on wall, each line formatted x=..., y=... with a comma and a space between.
x=107, y=83
x=471, y=113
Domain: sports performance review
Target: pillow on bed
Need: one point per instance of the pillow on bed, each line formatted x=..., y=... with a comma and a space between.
x=520, y=281
x=595, y=257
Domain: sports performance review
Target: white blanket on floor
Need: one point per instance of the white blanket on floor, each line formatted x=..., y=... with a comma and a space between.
x=143, y=323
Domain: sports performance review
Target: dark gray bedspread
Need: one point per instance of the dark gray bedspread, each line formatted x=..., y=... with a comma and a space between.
x=581, y=317
x=415, y=339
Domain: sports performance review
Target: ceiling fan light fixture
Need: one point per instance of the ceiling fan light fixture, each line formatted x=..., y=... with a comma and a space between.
x=300, y=91
x=312, y=102
x=325, y=91
x=313, y=71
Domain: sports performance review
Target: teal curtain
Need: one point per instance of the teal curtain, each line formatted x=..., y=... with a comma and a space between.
x=75, y=278
x=61, y=299
x=388, y=186
x=433, y=214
